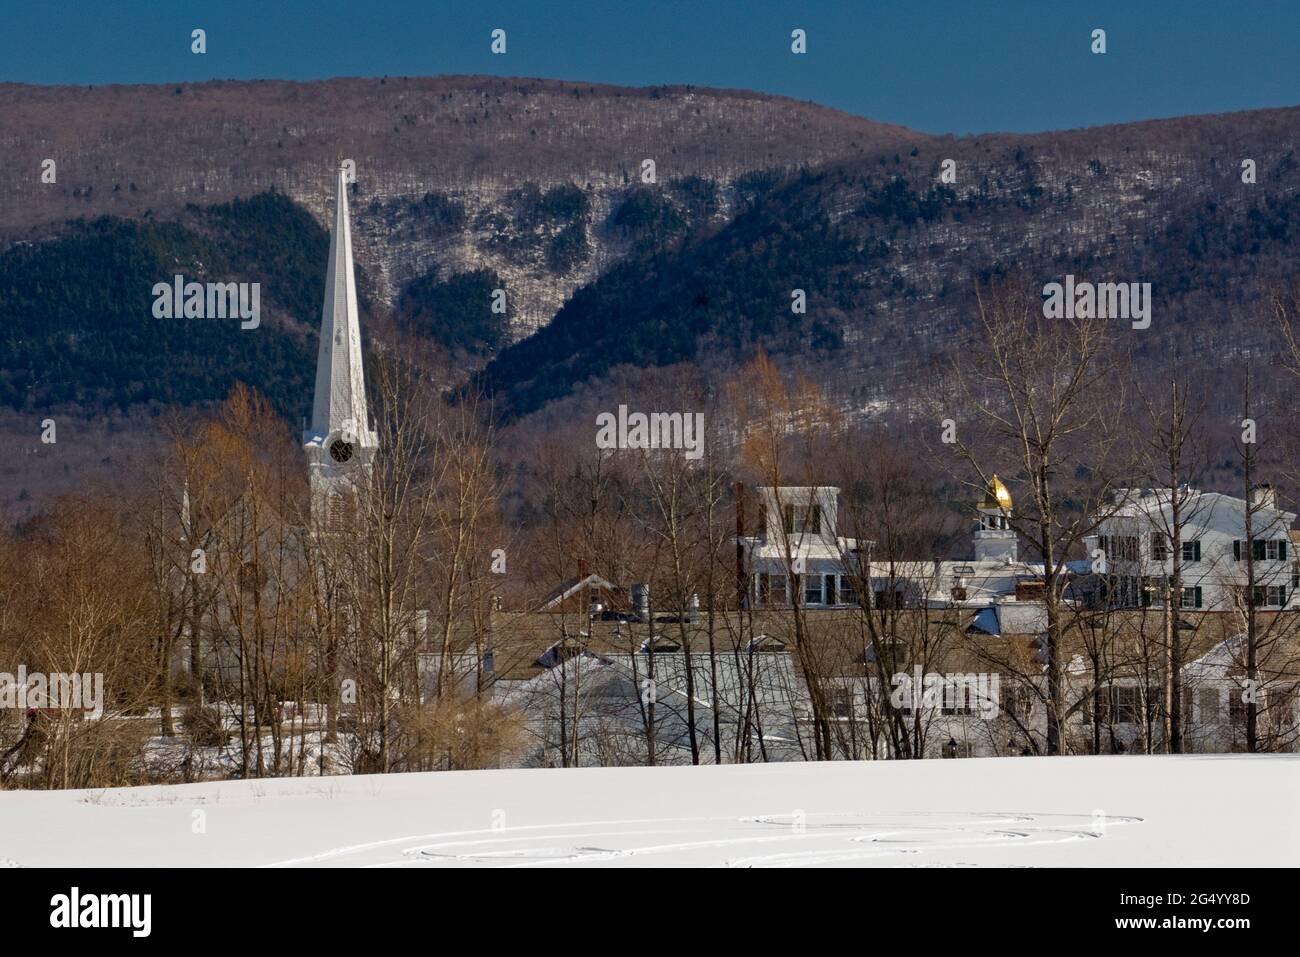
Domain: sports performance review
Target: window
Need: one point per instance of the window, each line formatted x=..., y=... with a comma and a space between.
x=1127, y=704
x=1236, y=707
x=1190, y=598
x=771, y=589
x=1159, y=547
x=800, y=519
x=1261, y=549
x=960, y=697
x=1119, y=548
x=839, y=702
x=1121, y=704
x=1017, y=700
x=1096, y=706
x=848, y=595
x=1154, y=588
x=812, y=589
x=891, y=598
x=1280, y=710
x=1269, y=595
x=1126, y=591
x=1192, y=551
x=1207, y=705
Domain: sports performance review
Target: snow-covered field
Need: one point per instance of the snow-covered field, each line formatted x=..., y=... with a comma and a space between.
x=1128, y=811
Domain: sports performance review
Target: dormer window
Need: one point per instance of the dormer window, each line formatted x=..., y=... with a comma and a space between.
x=765, y=643
x=660, y=645
x=563, y=650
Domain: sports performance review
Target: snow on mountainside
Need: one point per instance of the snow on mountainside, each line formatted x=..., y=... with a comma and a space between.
x=1081, y=812
x=445, y=165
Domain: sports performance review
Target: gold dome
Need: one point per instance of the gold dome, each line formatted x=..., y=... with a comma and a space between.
x=996, y=495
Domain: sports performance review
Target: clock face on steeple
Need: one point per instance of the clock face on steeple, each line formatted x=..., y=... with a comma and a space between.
x=340, y=450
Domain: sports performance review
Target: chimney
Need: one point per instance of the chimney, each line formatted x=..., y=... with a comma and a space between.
x=742, y=586
x=641, y=602
x=1263, y=496
x=592, y=594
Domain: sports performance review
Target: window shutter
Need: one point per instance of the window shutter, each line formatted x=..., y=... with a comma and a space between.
x=1281, y=549
x=1196, y=550
x=1236, y=549
x=1198, y=596
x=1257, y=546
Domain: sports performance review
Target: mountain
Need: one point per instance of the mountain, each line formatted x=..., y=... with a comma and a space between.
x=466, y=185
x=524, y=177
x=889, y=256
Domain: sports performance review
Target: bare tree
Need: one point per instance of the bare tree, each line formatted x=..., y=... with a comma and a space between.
x=1041, y=394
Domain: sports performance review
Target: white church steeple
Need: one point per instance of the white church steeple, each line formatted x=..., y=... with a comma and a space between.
x=339, y=441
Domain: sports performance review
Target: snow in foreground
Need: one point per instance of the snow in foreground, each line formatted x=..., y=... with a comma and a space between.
x=1127, y=811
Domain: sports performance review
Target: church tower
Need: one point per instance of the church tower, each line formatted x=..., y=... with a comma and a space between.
x=339, y=441
x=995, y=540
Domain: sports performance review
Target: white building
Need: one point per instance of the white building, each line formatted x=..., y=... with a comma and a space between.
x=1136, y=538
x=798, y=544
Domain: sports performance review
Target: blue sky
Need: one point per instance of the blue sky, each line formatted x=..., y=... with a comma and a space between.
x=934, y=65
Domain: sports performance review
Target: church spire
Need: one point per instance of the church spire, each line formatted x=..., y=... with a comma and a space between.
x=339, y=442
x=339, y=406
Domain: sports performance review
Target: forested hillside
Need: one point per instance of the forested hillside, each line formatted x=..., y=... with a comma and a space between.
x=457, y=173
x=78, y=311
x=605, y=274
x=889, y=257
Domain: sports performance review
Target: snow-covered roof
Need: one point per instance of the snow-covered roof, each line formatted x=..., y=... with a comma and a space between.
x=1200, y=509
x=1011, y=618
